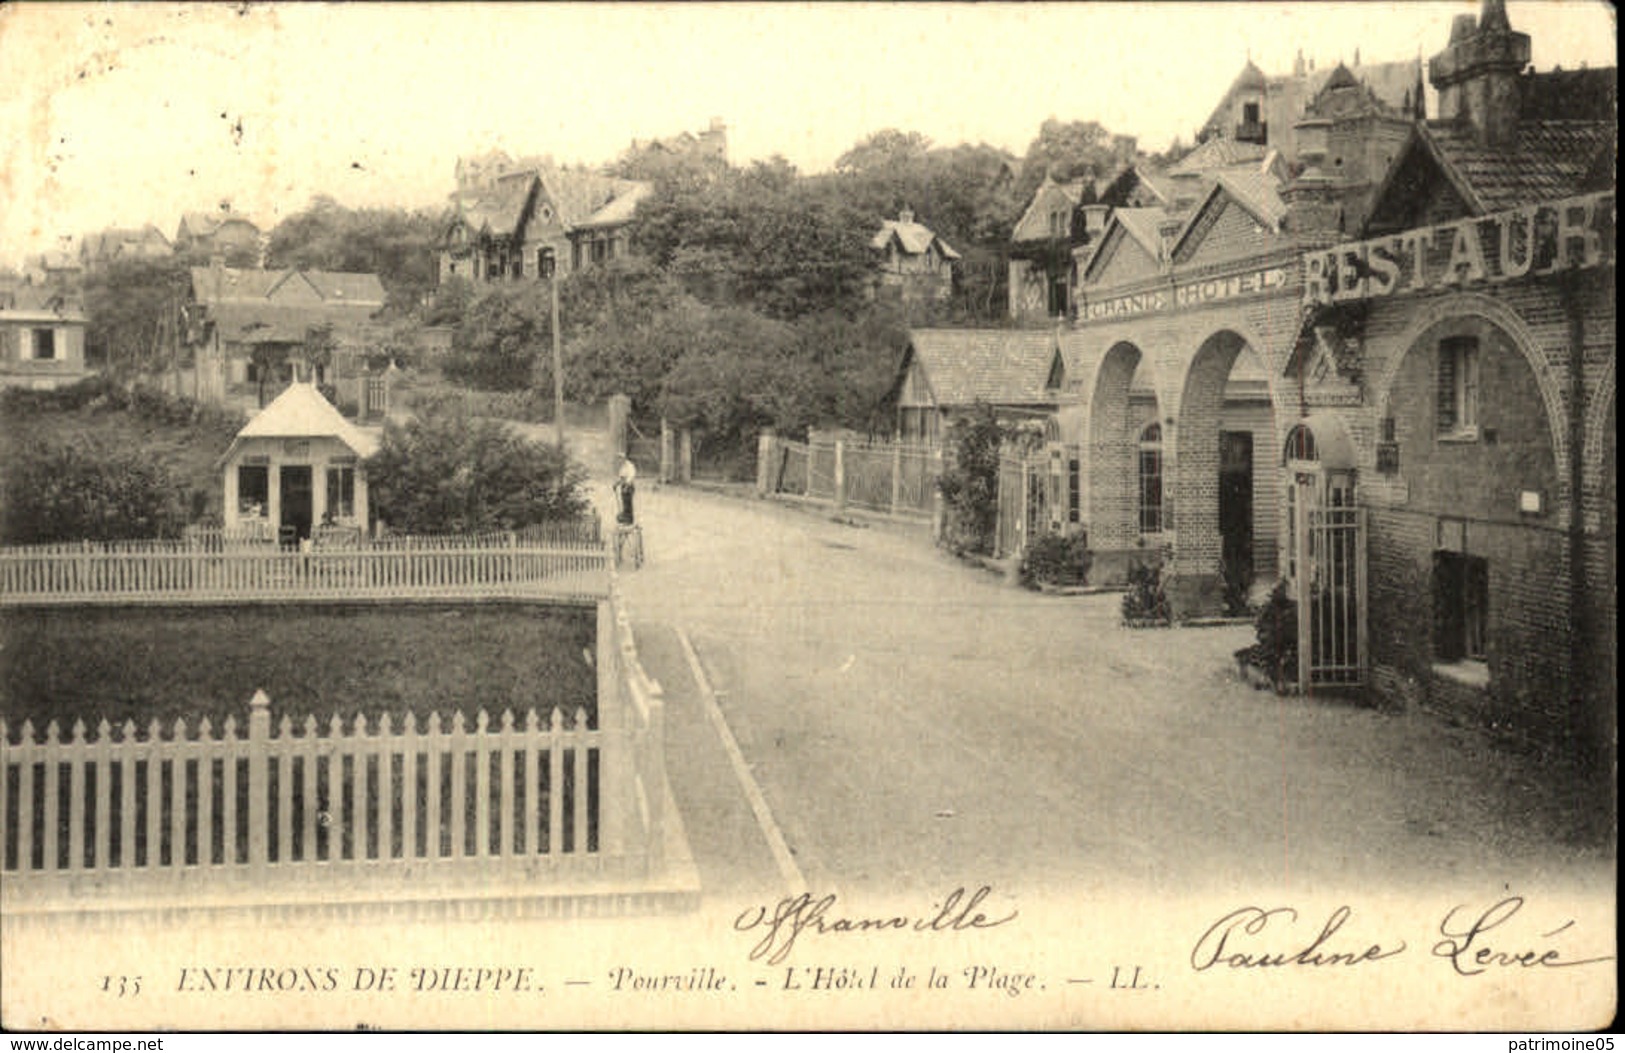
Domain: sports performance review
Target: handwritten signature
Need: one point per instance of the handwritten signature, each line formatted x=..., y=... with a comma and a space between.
x=1259, y=938
x=798, y=914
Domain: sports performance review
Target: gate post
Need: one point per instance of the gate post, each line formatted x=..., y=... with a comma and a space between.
x=259, y=744
x=896, y=476
x=665, y=451
x=764, y=461
x=840, y=474
x=1305, y=590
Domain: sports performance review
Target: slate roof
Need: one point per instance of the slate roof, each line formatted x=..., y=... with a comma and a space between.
x=1217, y=153
x=1258, y=192
x=1007, y=367
x=497, y=209
x=269, y=323
x=339, y=288
x=579, y=196
x=1144, y=226
x=914, y=238
x=1034, y=222
x=202, y=224
x=1393, y=83
x=620, y=210
x=126, y=241
x=301, y=412
x=1546, y=160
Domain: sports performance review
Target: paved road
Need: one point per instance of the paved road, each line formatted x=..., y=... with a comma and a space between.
x=916, y=723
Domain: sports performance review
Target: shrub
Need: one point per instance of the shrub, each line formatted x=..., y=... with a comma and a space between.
x=1056, y=560
x=444, y=473
x=1276, y=651
x=1146, y=601
x=75, y=491
x=970, y=488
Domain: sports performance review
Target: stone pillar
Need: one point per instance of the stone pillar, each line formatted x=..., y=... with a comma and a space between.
x=620, y=410
x=685, y=456
x=764, y=462
x=667, y=461
x=840, y=474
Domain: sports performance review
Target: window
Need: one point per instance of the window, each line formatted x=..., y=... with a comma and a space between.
x=1073, y=494
x=341, y=491
x=1151, y=479
x=1458, y=386
x=1057, y=224
x=44, y=343
x=1461, y=594
x=253, y=489
x=1249, y=113
x=545, y=263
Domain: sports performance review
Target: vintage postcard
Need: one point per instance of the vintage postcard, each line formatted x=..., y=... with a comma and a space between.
x=924, y=516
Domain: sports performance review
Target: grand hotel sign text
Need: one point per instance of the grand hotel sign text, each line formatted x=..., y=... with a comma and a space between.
x=1562, y=235
x=1188, y=294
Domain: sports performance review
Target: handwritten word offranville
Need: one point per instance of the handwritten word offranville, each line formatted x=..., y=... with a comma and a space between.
x=799, y=914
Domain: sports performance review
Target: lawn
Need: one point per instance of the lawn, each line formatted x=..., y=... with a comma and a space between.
x=312, y=660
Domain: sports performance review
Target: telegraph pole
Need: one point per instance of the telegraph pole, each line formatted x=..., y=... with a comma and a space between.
x=558, y=363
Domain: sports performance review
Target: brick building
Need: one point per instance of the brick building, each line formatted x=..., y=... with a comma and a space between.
x=1478, y=316
x=1388, y=383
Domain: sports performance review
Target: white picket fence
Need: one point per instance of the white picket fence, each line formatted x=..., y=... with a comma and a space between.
x=894, y=478
x=253, y=809
x=122, y=572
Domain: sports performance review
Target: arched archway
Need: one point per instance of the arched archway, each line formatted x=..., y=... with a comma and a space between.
x=1123, y=402
x=1226, y=505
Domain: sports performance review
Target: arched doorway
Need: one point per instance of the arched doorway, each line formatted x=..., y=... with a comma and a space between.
x=1324, y=560
x=1225, y=495
x=1128, y=506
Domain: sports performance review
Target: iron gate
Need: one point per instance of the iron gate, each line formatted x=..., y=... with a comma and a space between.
x=1331, y=596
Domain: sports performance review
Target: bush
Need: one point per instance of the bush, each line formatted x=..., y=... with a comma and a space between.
x=445, y=472
x=1146, y=601
x=73, y=491
x=1056, y=560
x=1276, y=631
x=970, y=488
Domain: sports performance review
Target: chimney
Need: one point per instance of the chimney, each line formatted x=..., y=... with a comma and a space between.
x=906, y=215
x=1477, y=74
x=1299, y=69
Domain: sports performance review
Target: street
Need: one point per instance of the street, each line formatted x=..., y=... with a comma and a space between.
x=915, y=723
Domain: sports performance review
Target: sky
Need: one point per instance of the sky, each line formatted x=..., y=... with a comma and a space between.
x=120, y=115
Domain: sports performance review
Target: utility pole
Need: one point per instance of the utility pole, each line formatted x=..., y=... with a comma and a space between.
x=558, y=364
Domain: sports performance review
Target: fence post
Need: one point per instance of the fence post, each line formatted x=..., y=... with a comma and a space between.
x=840, y=474
x=764, y=461
x=259, y=745
x=666, y=459
x=896, y=476
x=936, y=495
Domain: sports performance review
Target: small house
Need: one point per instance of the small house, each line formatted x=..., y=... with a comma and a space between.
x=298, y=464
x=42, y=339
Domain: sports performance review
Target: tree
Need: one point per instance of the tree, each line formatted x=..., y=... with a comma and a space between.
x=1066, y=150
x=393, y=243
x=502, y=331
x=133, y=311
x=446, y=472
x=73, y=491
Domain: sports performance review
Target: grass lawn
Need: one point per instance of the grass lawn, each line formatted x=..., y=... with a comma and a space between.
x=139, y=663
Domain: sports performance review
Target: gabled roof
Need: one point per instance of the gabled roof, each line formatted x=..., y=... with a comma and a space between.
x=1546, y=160
x=301, y=412
x=272, y=323
x=913, y=238
x=579, y=196
x=119, y=241
x=1256, y=192
x=497, y=209
x=1141, y=224
x=1217, y=153
x=1007, y=367
x=619, y=211
x=339, y=288
x=203, y=224
x=1034, y=222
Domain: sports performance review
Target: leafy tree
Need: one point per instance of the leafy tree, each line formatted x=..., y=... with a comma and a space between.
x=496, y=345
x=393, y=243
x=970, y=488
x=1066, y=150
x=133, y=311
x=72, y=491
x=446, y=472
